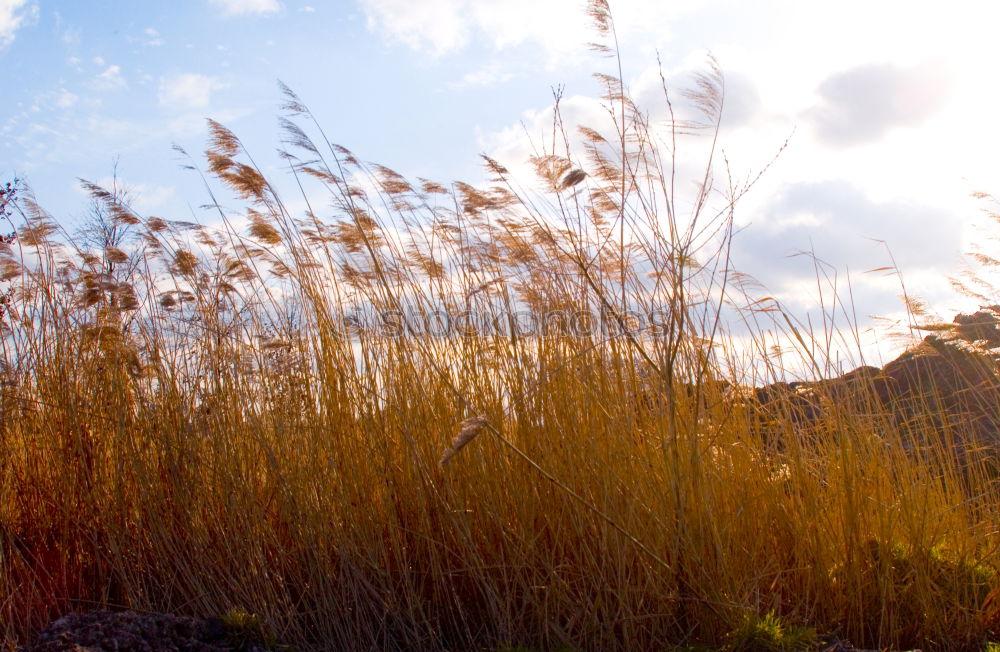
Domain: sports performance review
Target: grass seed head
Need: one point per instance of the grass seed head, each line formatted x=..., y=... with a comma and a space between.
x=470, y=429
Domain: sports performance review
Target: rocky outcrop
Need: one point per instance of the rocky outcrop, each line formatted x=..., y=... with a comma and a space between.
x=101, y=631
x=949, y=384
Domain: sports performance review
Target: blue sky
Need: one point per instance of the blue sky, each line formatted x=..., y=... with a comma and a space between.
x=891, y=105
x=100, y=81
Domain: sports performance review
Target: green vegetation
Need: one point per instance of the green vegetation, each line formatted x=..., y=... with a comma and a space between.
x=244, y=630
x=197, y=417
x=769, y=633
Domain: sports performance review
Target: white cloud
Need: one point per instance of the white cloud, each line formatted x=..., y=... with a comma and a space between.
x=153, y=38
x=307, y=9
x=13, y=14
x=111, y=78
x=843, y=224
x=65, y=99
x=560, y=27
x=862, y=104
x=741, y=98
x=513, y=145
x=488, y=75
x=189, y=124
x=71, y=36
x=436, y=26
x=188, y=90
x=150, y=198
x=241, y=7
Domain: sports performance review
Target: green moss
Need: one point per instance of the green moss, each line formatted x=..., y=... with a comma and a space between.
x=768, y=633
x=244, y=630
x=915, y=592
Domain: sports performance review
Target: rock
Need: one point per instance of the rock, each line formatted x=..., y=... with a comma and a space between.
x=980, y=326
x=947, y=384
x=105, y=631
x=954, y=385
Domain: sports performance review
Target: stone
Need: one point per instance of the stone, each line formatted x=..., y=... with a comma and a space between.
x=104, y=631
x=948, y=385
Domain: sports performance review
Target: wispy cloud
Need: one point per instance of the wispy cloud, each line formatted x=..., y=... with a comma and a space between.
x=66, y=99
x=516, y=143
x=490, y=74
x=13, y=15
x=153, y=38
x=839, y=222
x=188, y=90
x=436, y=27
x=110, y=79
x=144, y=197
x=242, y=7
x=742, y=105
x=559, y=27
x=67, y=33
x=862, y=104
x=439, y=27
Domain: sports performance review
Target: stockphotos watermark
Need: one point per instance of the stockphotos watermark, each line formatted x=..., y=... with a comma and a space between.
x=443, y=323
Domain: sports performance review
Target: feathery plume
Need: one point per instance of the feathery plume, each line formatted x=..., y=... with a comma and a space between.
x=470, y=429
x=572, y=179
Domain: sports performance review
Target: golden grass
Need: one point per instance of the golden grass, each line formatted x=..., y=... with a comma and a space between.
x=195, y=420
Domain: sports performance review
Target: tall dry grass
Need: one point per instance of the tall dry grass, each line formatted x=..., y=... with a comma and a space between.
x=197, y=418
